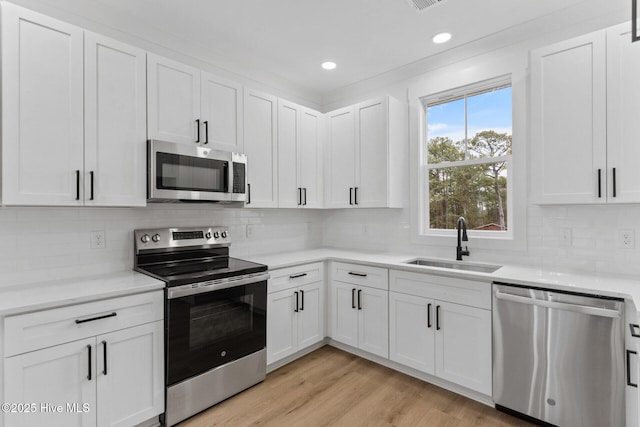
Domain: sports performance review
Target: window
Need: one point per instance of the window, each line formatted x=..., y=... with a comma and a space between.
x=467, y=158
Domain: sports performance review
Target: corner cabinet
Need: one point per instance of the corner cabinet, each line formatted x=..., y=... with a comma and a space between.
x=73, y=116
x=359, y=307
x=300, y=154
x=584, y=101
x=442, y=326
x=94, y=364
x=366, y=154
x=295, y=310
x=190, y=106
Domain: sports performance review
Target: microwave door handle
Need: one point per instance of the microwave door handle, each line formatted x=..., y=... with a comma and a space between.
x=248, y=194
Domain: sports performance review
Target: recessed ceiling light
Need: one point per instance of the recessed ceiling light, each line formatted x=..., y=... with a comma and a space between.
x=329, y=65
x=441, y=38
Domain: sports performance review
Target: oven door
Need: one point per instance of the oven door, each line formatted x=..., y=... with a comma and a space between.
x=209, y=329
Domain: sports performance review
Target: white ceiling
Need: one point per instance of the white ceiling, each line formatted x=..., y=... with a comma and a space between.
x=290, y=38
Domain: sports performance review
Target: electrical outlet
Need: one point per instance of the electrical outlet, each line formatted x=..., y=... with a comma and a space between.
x=98, y=240
x=565, y=237
x=627, y=238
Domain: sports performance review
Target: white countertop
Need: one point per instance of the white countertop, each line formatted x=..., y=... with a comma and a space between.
x=596, y=285
x=56, y=293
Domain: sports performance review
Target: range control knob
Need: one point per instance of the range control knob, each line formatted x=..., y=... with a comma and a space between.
x=208, y=235
x=145, y=238
x=224, y=234
x=156, y=238
x=216, y=234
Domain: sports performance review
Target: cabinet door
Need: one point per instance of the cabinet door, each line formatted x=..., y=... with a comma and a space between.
x=115, y=123
x=412, y=331
x=173, y=101
x=289, y=189
x=221, y=113
x=57, y=377
x=623, y=126
x=282, y=326
x=569, y=121
x=260, y=146
x=310, y=155
x=371, y=165
x=340, y=176
x=311, y=314
x=130, y=379
x=344, y=314
x=463, y=346
x=42, y=109
x=373, y=321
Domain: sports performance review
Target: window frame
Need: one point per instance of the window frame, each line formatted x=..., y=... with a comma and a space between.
x=424, y=167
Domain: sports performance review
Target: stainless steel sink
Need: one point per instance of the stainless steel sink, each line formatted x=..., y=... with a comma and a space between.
x=482, y=268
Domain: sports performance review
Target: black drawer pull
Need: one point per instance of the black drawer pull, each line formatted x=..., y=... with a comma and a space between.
x=635, y=329
x=629, y=353
x=353, y=298
x=89, y=359
x=429, y=315
x=359, y=299
x=297, y=302
x=437, y=317
x=78, y=321
x=295, y=276
x=301, y=300
x=104, y=356
x=357, y=274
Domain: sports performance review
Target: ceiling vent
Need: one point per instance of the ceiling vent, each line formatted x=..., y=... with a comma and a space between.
x=421, y=5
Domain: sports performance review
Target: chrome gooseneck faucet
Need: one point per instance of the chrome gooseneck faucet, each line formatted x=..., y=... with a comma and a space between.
x=462, y=226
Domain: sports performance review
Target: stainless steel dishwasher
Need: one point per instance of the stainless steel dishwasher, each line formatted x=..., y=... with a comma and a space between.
x=558, y=357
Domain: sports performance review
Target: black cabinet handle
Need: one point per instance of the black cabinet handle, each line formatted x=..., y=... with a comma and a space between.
x=197, y=130
x=629, y=353
x=248, y=194
x=429, y=315
x=599, y=183
x=355, y=198
x=305, y=196
x=297, y=302
x=359, y=299
x=91, y=179
x=351, y=195
x=353, y=298
x=78, y=321
x=437, y=317
x=299, y=196
x=104, y=356
x=634, y=330
x=89, y=359
x=78, y=184
x=295, y=276
x=206, y=131
x=357, y=274
x=301, y=300
x=614, y=181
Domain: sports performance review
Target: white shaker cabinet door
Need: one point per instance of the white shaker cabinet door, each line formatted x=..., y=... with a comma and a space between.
x=221, y=113
x=282, y=325
x=115, y=123
x=289, y=189
x=373, y=321
x=310, y=158
x=56, y=376
x=42, y=109
x=311, y=314
x=341, y=152
x=372, y=153
x=173, y=101
x=344, y=313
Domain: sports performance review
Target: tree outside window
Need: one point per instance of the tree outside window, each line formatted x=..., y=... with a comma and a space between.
x=468, y=154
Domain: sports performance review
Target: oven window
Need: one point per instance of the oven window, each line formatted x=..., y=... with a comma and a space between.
x=178, y=172
x=210, y=329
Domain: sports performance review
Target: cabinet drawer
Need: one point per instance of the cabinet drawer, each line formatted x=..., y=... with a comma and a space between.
x=361, y=275
x=291, y=277
x=33, y=331
x=460, y=291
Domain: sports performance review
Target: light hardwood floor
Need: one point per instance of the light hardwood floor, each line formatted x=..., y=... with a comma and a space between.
x=330, y=387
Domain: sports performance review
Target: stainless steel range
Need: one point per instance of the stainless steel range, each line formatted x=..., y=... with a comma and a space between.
x=215, y=316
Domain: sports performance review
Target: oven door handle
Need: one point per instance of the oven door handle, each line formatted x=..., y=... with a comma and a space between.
x=216, y=285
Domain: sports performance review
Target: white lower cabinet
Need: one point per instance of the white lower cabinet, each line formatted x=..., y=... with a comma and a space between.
x=295, y=310
x=111, y=379
x=438, y=335
x=359, y=307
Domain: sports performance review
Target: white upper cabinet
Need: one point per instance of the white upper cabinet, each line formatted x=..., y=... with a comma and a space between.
x=366, y=154
x=115, y=123
x=73, y=124
x=261, y=148
x=189, y=106
x=299, y=156
x=584, y=119
x=42, y=109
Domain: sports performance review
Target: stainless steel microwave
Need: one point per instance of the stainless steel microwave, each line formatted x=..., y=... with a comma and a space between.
x=183, y=173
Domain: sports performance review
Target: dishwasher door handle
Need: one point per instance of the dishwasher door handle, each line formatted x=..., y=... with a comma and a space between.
x=584, y=309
